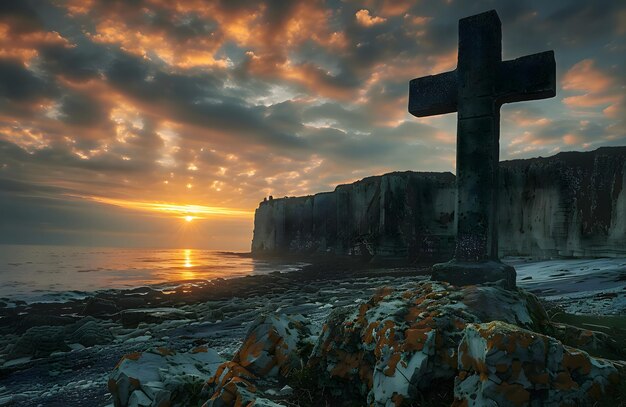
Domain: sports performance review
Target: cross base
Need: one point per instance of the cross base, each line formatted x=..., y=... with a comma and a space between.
x=471, y=273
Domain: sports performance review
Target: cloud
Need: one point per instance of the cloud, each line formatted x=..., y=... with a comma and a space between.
x=133, y=101
x=585, y=77
x=364, y=18
x=599, y=89
x=18, y=84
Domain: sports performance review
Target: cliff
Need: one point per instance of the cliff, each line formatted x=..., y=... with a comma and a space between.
x=570, y=204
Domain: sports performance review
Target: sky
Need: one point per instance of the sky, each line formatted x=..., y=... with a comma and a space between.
x=119, y=119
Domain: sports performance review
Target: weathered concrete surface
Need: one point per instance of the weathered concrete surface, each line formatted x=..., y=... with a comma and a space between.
x=570, y=204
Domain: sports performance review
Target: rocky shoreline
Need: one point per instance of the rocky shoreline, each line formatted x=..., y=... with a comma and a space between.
x=60, y=371
x=60, y=354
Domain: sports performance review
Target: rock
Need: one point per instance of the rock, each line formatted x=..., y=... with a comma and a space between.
x=285, y=391
x=133, y=317
x=97, y=306
x=89, y=332
x=595, y=343
x=31, y=320
x=40, y=341
x=161, y=376
x=129, y=302
x=402, y=341
x=232, y=386
x=275, y=345
x=502, y=364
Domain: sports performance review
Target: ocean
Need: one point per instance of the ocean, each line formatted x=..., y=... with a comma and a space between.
x=58, y=273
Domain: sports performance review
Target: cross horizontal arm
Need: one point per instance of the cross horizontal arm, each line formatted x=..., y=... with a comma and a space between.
x=527, y=78
x=432, y=95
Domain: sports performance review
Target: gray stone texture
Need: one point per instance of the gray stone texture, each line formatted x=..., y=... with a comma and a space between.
x=571, y=204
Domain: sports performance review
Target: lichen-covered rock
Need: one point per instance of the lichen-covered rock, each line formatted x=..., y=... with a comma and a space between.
x=501, y=364
x=274, y=345
x=40, y=341
x=593, y=342
x=232, y=385
x=400, y=341
x=161, y=377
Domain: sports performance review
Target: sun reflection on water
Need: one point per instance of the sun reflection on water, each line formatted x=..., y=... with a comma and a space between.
x=188, y=273
x=188, y=260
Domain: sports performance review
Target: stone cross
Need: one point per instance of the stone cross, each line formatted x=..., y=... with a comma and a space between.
x=476, y=89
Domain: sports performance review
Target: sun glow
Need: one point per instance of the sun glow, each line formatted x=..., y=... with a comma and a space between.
x=186, y=212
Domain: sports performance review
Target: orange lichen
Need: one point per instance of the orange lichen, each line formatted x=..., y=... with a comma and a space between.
x=458, y=324
x=112, y=386
x=563, y=381
x=415, y=339
x=459, y=403
x=502, y=367
x=366, y=375
x=408, y=294
x=515, y=393
x=449, y=357
x=234, y=370
x=380, y=294
x=250, y=349
x=541, y=378
x=595, y=391
x=369, y=332
x=386, y=337
x=165, y=351
x=130, y=356
x=363, y=308
x=347, y=362
x=134, y=383
x=470, y=363
x=573, y=360
x=200, y=349
x=397, y=399
x=413, y=314
x=390, y=369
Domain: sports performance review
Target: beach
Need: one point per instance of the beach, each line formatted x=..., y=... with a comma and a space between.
x=216, y=314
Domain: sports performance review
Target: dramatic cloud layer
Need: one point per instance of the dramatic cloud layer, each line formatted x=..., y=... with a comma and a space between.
x=111, y=111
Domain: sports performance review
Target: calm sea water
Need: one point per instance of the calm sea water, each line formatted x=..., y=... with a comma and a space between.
x=55, y=273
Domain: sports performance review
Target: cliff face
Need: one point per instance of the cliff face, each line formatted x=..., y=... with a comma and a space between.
x=571, y=204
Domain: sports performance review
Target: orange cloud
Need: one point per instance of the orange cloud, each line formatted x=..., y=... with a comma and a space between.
x=24, y=46
x=523, y=119
x=600, y=89
x=143, y=42
x=571, y=139
x=364, y=18
x=395, y=7
x=585, y=77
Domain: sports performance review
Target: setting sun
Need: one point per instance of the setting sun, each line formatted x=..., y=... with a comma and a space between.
x=188, y=218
